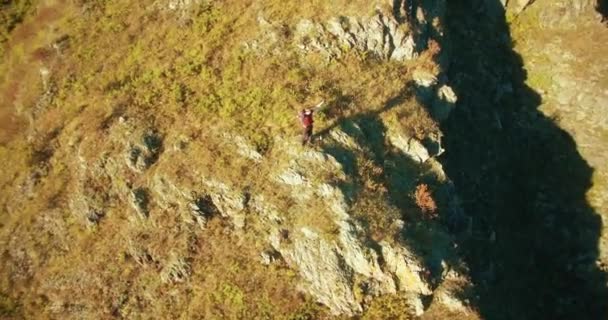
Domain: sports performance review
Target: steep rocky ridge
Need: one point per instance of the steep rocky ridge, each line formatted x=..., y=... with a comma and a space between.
x=157, y=172
x=126, y=185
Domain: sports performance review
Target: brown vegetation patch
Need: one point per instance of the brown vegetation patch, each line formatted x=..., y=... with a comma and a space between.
x=425, y=201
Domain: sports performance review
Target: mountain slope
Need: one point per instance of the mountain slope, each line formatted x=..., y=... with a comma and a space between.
x=155, y=168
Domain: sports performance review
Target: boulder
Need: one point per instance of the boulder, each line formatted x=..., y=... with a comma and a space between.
x=411, y=147
x=445, y=102
x=405, y=48
x=326, y=276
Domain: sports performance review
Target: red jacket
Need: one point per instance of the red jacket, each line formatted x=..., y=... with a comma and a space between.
x=306, y=119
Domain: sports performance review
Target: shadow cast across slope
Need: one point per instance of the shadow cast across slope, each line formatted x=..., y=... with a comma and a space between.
x=533, y=248
x=602, y=8
x=399, y=176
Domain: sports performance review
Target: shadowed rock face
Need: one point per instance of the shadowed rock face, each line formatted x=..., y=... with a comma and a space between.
x=602, y=8
x=571, y=73
x=534, y=251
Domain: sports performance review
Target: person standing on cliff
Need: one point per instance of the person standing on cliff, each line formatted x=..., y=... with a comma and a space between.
x=307, y=121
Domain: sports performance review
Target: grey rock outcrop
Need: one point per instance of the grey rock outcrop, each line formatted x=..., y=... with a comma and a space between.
x=140, y=202
x=340, y=269
x=439, y=96
x=310, y=225
x=335, y=270
x=337, y=261
x=145, y=152
x=380, y=35
x=411, y=147
x=444, y=103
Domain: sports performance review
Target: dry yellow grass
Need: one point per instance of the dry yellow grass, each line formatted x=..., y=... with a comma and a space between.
x=167, y=70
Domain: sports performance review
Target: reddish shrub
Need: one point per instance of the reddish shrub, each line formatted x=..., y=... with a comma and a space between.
x=424, y=200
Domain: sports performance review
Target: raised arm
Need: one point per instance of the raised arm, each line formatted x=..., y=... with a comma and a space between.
x=319, y=106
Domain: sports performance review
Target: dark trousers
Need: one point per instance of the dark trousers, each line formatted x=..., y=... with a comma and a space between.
x=306, y=135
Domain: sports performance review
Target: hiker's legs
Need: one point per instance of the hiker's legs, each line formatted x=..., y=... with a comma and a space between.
x=306, y=135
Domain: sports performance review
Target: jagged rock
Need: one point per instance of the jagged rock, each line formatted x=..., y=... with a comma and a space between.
x=433, y=144
x=410, y=147
x=357, y=30
x=341, y=263
x=87, y=206
x=310, y=36
x=383, y=36
x=344, y=139
x=168, y=193
x=332, y=270
x=140, y=201
x=45, y=76
x=444, y=103
x=203, y=209
x=347, y=40
x=451, y=301
x=300, y=172
x=378, y=41
x=335, y=267
x=269, y=256
x=405, y=49
x=246, y=150
x=269, y=40
x=405, y=268
x=453, y=286
x=291, y=177
x=142, y=154
x=215, y=199
x=323, y=269
x=305, y=28
x=230, y=203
